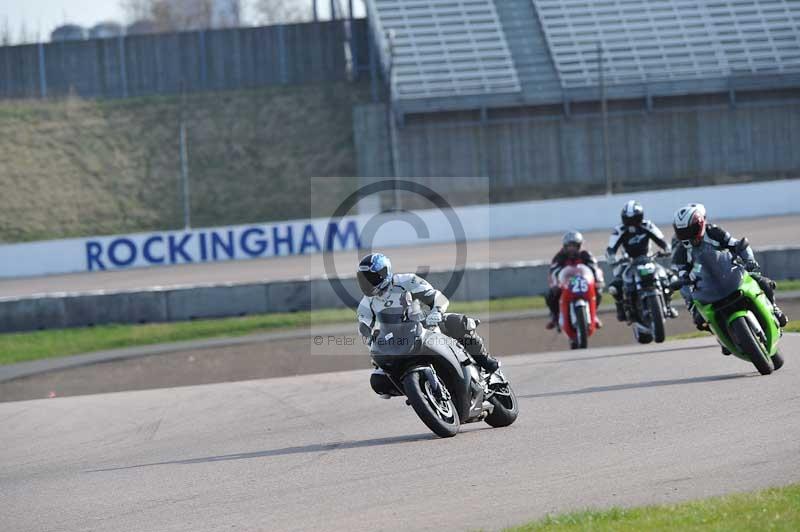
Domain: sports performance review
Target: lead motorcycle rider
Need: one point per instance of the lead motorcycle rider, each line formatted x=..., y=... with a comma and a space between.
x=696, y=236
x=633, y=236
x=382, y=289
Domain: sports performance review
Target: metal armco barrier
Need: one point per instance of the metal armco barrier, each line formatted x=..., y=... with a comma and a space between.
x=218, y=301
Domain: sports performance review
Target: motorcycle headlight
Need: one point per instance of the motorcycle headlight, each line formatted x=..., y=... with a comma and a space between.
x=647, y=269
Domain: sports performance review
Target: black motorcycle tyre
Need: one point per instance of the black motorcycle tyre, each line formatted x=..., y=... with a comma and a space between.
x=419, y=401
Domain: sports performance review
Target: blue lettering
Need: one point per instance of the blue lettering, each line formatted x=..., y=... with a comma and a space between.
x=203, y=248
x=93, y=252
x=115, y=245
x=309, y=240
x=260, y=244
x=334, y=232
x=217, y=242
x=148, y=256
x=176, y=248
x=278, y=240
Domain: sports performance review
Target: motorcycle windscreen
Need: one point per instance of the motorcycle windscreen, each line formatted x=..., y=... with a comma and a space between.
x=397, y=333
x=717, y=275
x=569, y=273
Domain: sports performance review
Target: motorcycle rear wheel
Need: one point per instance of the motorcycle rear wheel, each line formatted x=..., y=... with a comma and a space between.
x=642, y=337
x=439, y=416
x=747, y=342
x=777, y=361
x=506, y=408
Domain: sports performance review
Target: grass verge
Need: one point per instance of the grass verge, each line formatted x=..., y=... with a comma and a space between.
x=785, y=286
x=27, y=346
x=771, y=509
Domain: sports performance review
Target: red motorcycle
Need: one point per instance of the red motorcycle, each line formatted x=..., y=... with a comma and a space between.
x=578, y=304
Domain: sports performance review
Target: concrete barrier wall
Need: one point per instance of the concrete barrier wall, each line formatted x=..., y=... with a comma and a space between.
x=199, y=302
x=669, y=146
x=210, y=60
x=300, y=237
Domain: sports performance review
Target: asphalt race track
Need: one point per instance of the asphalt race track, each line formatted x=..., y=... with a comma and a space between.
x=781, y=230
x=607, y=426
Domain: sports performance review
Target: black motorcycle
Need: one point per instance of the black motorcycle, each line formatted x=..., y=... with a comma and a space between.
x=647, y=294
x=440, y=379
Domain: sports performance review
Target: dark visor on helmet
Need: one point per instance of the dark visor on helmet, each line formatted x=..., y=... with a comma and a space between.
x=369, y=281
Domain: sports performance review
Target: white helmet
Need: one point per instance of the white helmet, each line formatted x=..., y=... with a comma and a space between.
x=689, y=223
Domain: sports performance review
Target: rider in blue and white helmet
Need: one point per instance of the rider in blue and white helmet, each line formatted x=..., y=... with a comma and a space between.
x=382, y=289
x=374, y=274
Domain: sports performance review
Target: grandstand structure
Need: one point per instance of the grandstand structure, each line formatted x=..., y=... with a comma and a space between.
x=476, y=86
x=499, y=52
x=440, y=49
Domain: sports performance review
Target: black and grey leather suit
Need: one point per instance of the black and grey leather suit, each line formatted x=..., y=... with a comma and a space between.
x=635, y=242
x=457, y=326
x=715, y=240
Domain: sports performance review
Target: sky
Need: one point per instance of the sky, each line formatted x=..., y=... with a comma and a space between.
x=40, y=17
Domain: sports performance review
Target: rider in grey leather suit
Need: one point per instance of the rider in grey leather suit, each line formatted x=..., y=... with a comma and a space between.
x=383, y=289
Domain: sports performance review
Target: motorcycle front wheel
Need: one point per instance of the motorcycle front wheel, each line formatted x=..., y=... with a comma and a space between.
x=747, y=342
x=438, y=414
x=581, y=327
x=656, y=309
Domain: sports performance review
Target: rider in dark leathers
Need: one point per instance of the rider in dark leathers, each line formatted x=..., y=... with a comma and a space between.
x=633, y=236
x=570, y=253
x=695, y=235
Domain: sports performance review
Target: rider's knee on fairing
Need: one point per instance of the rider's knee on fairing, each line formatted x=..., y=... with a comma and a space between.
x=464, y=330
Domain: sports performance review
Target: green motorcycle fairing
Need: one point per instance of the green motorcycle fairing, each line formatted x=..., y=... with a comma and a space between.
x=755, y=301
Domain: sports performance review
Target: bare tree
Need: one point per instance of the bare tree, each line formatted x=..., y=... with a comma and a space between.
x=25, y=35
x=179, y=15
x=136, y=10
x=282, y=11
x=5, y=33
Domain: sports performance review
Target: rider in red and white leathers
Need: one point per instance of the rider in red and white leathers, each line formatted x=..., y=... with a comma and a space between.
x=570, y=254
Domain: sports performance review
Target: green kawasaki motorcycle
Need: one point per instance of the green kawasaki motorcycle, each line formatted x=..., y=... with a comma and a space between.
x=738, y=312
